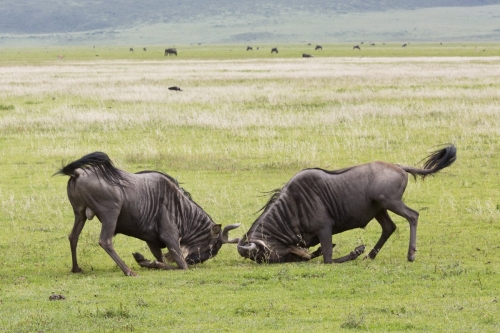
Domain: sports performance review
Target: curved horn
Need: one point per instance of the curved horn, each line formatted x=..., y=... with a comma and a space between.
x=248, y=248
x=225, y=233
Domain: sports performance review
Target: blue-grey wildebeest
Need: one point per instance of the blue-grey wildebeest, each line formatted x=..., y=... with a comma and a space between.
x=316, y=204
x=148, y=205
x=170, y=51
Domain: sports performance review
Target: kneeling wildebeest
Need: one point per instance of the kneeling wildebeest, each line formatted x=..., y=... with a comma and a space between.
x=170, y=51
x=306, y=55
x=316, y=204
x=148, y=205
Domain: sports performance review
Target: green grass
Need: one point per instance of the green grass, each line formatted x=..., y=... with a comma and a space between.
x=238, y=51
x=243, y=126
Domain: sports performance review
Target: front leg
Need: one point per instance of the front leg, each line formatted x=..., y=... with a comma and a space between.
x=169, y=235
x=319, y=252
x=325, y=239
x=156, y=251
x=143, y=262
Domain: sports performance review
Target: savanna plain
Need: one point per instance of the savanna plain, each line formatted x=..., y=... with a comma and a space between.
x=244, y=124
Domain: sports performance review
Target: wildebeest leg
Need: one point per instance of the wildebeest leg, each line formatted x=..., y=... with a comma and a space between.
x=351, y=256
x=170, y=236
x=325, y=239
x=106, y=241
x=411, y=215
x=143, y=262
x=319, y=252
x=388, y=227
x=80, y=220
x=159, y=263
x=156, y=251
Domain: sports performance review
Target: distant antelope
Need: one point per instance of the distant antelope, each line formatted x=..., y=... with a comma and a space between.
x=318, y=47
x=131, y=49
x=249, y=48
x=356, y=47
x=274, y=50
x=170, y=51
x=305, y=55
x=404, y=45
x=144, y=49
x=60, y=57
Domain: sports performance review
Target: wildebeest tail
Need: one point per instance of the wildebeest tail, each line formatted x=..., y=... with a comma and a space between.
x=100, y=163
x=436, y=161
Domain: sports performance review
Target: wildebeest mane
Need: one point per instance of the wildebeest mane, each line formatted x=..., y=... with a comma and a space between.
x=273, y=196
x=172, y=179
x=100, y=163
x=331, y=172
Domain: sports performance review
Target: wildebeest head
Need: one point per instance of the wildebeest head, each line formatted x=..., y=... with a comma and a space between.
x=271, y=251
x=210, y=245
x=273, y=240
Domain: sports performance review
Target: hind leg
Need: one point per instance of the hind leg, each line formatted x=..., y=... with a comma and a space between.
x=80, y=220
x=388, y=227
x=109, y=221
x=398, y=207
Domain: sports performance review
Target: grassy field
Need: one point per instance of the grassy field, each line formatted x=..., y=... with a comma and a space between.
x=12, y=55
x=244, y=124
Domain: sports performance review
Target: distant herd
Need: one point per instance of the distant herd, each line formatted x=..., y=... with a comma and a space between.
x=173, y=51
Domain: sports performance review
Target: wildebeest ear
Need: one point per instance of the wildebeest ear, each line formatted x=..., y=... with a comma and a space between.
x=216, y=229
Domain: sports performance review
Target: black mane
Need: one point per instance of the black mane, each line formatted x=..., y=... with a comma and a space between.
x=273, y=196
x=172, y=179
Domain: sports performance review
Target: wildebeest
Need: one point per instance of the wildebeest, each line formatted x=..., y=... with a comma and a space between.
x=249, y=48
x=356, y=47
x=316, y=204
x=318, y=47
x=404, y=45
x=144, y=49
x=170, y=51
x=306, y=55
x=274, y=50
x=148, y=205
x=174, y=88
x=131, y=49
